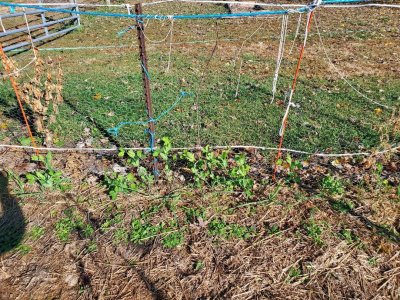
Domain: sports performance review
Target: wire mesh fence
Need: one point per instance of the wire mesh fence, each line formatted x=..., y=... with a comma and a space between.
x=211, y=81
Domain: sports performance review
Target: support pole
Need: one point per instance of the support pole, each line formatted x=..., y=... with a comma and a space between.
x=146, y=79
x=296, y=75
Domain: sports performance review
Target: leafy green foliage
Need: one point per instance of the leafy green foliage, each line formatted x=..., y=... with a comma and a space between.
x=218, y=227
x=118, y=183
x=49, y=178
x=294, y=273
x=36, y=232
x=215, y=169
x=332, y=185
x=173, y=239
x=293, y=167
x=23, y=249
x=142, y=230
x=314, y=231
x=348, y=236
x=343, y=206
x=72, y=223
x=381, y=181
x=132, y=157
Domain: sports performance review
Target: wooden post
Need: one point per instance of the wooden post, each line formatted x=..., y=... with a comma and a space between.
x=145, y=75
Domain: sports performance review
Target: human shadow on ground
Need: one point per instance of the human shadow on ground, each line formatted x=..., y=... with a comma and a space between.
x=12, y=222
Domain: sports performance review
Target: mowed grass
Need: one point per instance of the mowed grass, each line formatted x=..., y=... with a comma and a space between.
x=104, y=87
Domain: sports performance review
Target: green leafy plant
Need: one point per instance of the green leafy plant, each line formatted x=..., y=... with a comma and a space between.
x=293, y=167
x=133, y=157
x=381, y=182
x=23, y=249
x=118, y=183
x=36, y=232
x=343, y=206
x=72, y=223
x=348, y=236
x=314, y=231
x=218, y=227
x=294, y=273
x=332, y=185
x=198, y=265
x=49, y=178
x=173, y=239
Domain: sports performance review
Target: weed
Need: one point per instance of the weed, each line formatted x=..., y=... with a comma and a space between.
x=71, y=223
x=91, y=247
x=121, y=236
x=49, y=178
x=314, y=231
x=23, y=249
x=142, y=231
x=332, y=185
x=36, y=232
x=373, y=261
x=293, y=274
x=272, y=230
x=293, y=167
x=194, y=214
x=118, y=183
x=173, y=239
x=108, y=223
x=133, y=157
x=342, y=206
x=218, y=227
x=20, y=184
x=348, y=236
x=198, y=265
x=381, y=182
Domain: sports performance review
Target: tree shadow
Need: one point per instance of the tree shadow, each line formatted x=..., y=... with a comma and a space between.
x=12, y=222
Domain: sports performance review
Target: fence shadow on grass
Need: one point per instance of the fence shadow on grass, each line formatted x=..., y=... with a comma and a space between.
x=12, y=222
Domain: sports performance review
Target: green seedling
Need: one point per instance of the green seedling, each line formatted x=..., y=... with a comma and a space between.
x=293, y=167
x=118, y=183
x=49, y=178
x=332, y=185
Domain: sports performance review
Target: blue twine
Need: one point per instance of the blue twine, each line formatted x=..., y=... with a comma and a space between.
x=115, y=130
x=145, y=71
x=122, y=32
x=306, y=8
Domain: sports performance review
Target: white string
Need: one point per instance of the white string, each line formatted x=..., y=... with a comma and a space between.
x=29, y=32
x=394, y=148
x=17, y=71
x=162, y=40
x=340, y=73
x=296, y=34
x=281, y=51
x=290, y=103
x=170, y=44
x=2, y=25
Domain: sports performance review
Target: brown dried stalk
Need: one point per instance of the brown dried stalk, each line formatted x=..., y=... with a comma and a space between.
x=44, y=96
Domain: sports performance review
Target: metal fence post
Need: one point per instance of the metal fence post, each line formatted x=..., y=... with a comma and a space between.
x=145, y=75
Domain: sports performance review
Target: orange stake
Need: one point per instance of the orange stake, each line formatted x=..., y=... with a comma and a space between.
x=296, y=75
x=17, y=94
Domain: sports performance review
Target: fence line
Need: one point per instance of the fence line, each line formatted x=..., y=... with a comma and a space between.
x=395, y=148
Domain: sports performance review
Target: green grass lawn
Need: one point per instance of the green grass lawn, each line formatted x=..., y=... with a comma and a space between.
x=104, y=87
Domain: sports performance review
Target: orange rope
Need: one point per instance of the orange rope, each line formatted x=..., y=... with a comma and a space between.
x=17, y=94
x=296, y=75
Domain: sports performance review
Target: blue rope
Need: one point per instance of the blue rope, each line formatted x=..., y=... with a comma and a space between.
x=306, y=8
x=115, y=130
x=145, y=71
x=122, y=32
